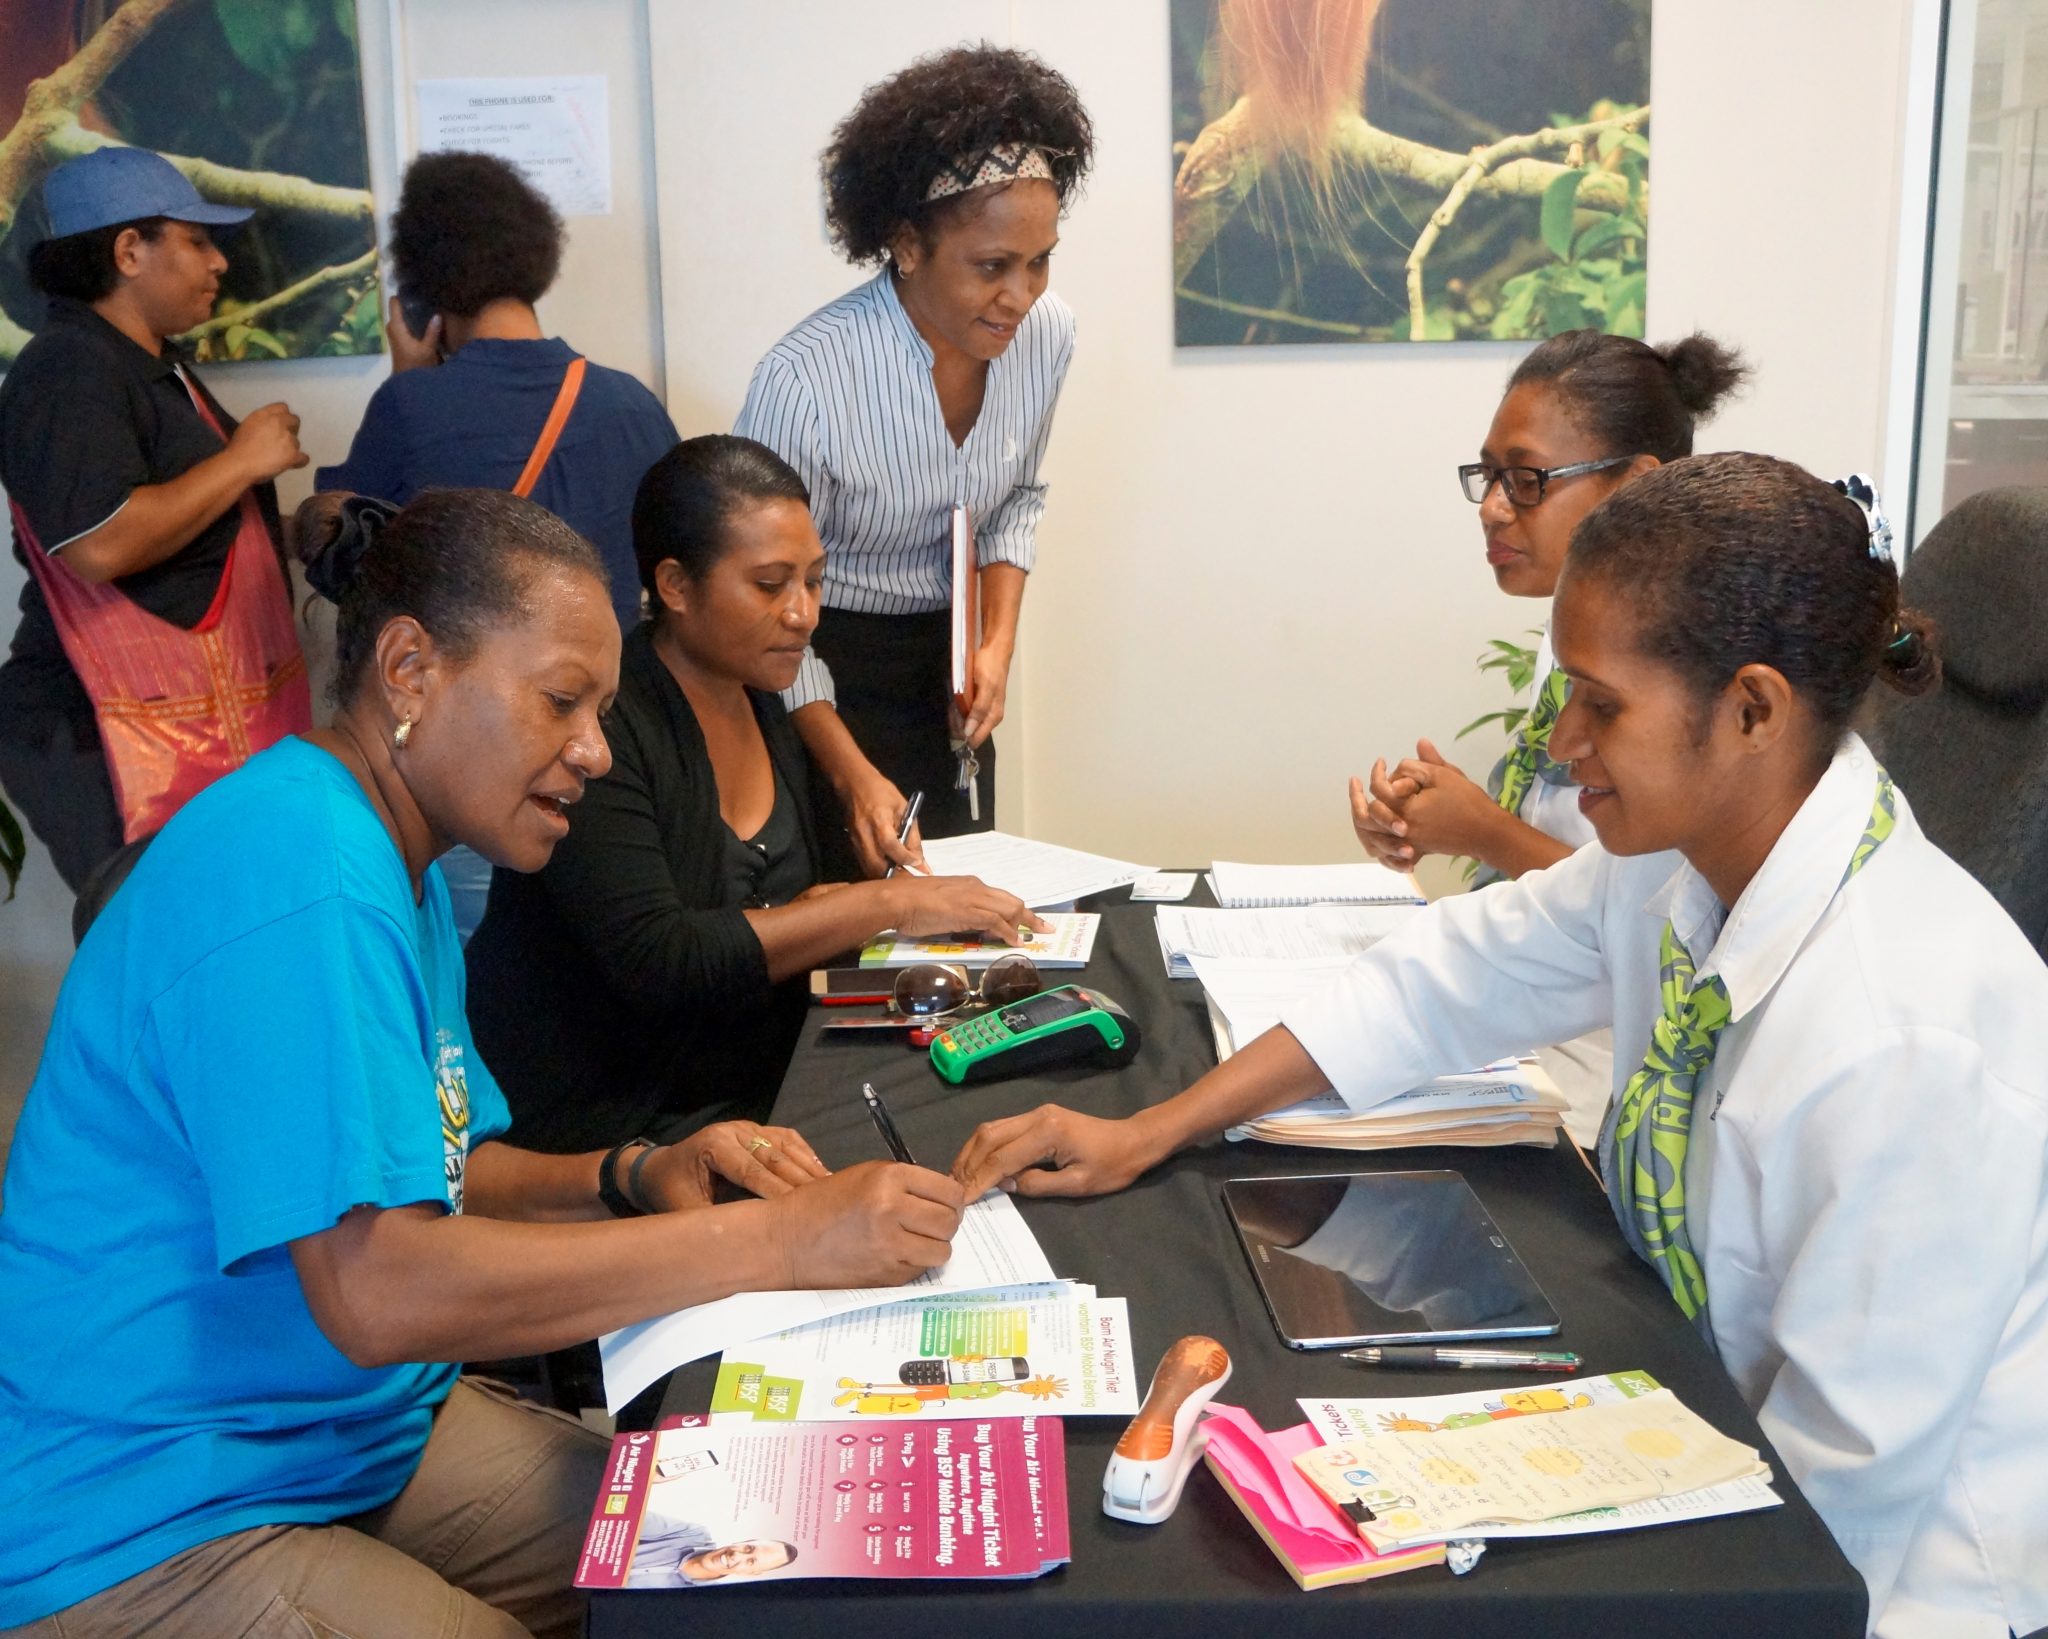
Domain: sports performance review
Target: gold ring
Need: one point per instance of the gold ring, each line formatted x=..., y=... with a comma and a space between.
x=758, y=1143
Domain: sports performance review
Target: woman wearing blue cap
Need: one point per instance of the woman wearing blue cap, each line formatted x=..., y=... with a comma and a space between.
x=156, y=649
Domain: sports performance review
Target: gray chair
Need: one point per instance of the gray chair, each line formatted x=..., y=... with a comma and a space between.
x=1972, y=757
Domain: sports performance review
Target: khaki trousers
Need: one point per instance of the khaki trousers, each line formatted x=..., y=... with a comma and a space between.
x=481, y=1544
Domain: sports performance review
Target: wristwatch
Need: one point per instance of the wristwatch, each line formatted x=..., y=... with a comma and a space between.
x=616, y=1201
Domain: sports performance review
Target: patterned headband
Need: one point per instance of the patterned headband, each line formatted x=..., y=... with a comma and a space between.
x=1863, y=492
x=1006, y=162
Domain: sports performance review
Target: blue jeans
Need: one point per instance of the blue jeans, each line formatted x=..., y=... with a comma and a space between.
x=468, y=875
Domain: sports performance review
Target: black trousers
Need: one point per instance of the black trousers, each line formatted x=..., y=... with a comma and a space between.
x=55, y=774
x=892, y=674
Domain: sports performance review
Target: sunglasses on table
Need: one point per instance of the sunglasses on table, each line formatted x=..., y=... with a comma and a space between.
x=1525, y=486
x=928, y=990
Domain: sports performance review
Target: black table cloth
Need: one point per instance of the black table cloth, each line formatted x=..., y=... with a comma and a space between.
x=1167, y=1246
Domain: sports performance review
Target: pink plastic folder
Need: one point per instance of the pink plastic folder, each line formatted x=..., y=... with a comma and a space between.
x=1306, y=1532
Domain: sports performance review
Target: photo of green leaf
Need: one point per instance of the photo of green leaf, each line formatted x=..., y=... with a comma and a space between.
x=1408, y=170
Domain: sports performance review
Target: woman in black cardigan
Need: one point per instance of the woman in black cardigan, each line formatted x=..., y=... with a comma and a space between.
x=649, y=979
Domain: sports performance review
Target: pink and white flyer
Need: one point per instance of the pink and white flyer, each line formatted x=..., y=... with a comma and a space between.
x=699, y=1504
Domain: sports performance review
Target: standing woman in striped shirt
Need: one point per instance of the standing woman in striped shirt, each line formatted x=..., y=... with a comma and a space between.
x=927, y=388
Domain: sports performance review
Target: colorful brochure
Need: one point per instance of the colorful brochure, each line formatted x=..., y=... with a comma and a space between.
x=1068, y=945
x=992, y=1247
x=1339, y=1421
x=1057, y=1350
x=698, y=1504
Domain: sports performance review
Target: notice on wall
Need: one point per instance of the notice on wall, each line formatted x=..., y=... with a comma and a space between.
x=557, y=130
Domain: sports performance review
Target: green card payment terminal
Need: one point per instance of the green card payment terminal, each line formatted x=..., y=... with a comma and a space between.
x=1070, y=1025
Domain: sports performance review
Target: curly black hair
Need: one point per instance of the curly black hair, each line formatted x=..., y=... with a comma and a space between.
x=944, y=107
x=470, y=230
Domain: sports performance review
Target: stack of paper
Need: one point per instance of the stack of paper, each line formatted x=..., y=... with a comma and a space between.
x=1508, y=1102
x=992, y=1247
x=1039, y=873
x=1496, y=1464
x=1299, y=935
x=1360, y=882
x=1068, y=945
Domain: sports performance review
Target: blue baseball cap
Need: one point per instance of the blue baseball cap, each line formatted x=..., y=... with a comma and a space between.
x=115, y=184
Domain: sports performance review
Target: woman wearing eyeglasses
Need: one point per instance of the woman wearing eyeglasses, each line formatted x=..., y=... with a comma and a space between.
x=1584, y=413
x=649, y=978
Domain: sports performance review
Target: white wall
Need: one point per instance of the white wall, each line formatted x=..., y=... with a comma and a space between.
x=1255, y=571
x=605, y=303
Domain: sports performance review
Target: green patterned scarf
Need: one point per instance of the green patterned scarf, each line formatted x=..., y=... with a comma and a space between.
x=1517, y=772
x=1651, y=1127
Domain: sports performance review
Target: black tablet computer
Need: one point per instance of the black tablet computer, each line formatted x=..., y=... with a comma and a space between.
x=1345, y=1259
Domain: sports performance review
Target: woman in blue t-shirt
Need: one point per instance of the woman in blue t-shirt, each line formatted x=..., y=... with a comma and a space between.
x=257, y=1200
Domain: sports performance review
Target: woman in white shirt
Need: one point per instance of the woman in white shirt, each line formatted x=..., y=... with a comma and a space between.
x=922, y=395
x=1583, y=414
x=1835, y=1150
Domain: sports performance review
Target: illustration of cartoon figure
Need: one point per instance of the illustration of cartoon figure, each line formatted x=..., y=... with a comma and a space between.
x=1519, y=1403
x=1525, y=1402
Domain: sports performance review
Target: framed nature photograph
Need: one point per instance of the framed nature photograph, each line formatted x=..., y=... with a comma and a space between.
x=1408, y=170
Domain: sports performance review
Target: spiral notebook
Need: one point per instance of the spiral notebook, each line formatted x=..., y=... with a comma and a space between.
x=1269, y=887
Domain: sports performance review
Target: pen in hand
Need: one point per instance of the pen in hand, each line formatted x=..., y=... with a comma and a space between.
x=903, y=832
x=890, y=1136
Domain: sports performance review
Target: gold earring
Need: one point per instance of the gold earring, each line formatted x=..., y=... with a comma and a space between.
x=401, y=734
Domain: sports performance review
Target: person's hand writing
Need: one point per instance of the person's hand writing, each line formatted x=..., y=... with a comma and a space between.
x=768, y=1161
x=1447, y=813
x=991, y=685
x=267, y=443
x=1377, y=816
x=410, y=352
x=877, y=1224
x=927, y=905
x=874, y=814
x=1053, y=1151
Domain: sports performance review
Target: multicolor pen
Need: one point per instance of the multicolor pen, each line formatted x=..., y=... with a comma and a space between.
x=1422, y=1357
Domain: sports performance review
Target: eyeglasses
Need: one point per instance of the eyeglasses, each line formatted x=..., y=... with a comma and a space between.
x=925, y=990
x=1525, y=486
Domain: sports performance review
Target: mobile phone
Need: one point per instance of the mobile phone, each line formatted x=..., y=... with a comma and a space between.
x=416, y=310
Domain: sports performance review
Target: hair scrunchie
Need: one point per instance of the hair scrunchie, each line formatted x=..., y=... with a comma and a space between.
x=1858, y=487
x=334, y=559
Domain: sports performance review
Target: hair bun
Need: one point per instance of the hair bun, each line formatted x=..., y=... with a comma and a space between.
x=1911, y=664
x=331, y=536
x=1704, y=371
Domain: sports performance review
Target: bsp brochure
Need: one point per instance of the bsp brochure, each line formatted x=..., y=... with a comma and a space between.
x=1057, y=1350
x=698, y=1504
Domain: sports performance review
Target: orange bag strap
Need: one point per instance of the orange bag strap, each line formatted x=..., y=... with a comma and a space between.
x=558, y=418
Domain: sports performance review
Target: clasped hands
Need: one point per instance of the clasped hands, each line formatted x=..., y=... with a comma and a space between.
x=1423, y=805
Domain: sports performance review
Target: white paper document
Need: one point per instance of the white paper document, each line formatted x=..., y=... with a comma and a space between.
x=556, y=129
x=1356, y=882
x=1251, y=992
x=1039, y=873
x=1339, y=1420
x=1295, y=935
x=992, y=1248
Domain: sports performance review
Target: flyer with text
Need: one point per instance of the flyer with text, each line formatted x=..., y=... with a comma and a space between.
x=701, y=1504
x=1047, y=1351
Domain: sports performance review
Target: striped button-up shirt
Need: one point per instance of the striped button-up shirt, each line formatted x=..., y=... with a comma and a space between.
x=847, y=399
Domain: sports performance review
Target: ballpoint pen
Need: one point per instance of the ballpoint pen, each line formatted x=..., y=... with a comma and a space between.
x=909, y=820
x=890, y=1135
x=1423, y=1357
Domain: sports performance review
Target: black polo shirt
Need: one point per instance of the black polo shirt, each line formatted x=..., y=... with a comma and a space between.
x=86, y=417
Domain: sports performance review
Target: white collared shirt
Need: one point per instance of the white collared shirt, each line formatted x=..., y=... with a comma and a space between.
x=1868, y=1172
x=1552, y=809
x=847, y=399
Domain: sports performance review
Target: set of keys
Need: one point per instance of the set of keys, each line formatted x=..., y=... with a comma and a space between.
x=967, y=777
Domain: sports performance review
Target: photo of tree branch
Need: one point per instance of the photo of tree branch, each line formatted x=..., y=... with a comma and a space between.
x=259, y=102
x=1408, y=170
